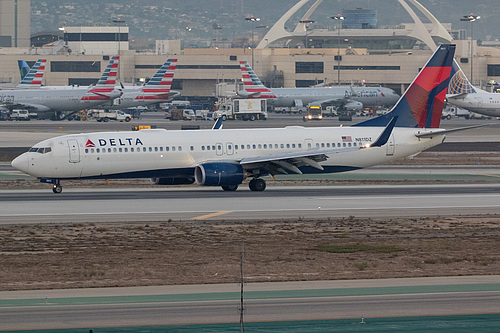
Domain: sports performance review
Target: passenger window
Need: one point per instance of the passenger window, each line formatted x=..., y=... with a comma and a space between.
x=248, y=146
x=150, y=149
x=132, y=149
x=354, y=144
x=180, y=148
x=344, y=144
x=276, y=146
x=254, y=146
x=260, y=146
x=144, y=149
x=167, y=148
x=86, y=151
x=213, y=147
x=293, y=145
x=300, y=145
x=109, y=150
x=328, y=145
x=126, y=150
x=229, y=147
x=120, y=150
x=349, y=144
x=322, y=145
x=173, y=148
x=338, y=144
x=161, y=148
x=192, y=148
x=98, y=150
x=288, y=145
x=92, y=150
x=282, y=146
x=156, y=148
x=317, y=145
x=309, y=145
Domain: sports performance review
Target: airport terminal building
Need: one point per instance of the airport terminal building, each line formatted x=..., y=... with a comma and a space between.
x=337, y=55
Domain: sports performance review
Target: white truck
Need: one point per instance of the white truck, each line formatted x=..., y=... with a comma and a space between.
x=18, y=114
x=243, y=109
x=103, y=116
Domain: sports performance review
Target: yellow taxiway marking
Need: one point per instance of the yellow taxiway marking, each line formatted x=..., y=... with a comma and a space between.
x=202, y=217
x=487, y=175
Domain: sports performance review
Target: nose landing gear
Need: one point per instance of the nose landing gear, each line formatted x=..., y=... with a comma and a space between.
x=56, y=184
x=57, y=189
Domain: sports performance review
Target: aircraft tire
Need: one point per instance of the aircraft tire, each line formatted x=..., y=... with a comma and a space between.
x=257, y=185
x=127, y=119
x=230, y=188
x=57, y=189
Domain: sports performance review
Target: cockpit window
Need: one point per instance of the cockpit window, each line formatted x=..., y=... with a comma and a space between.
x=43, y=150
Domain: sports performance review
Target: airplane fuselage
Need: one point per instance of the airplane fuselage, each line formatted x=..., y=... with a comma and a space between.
x=42, y=100
x=480, y=102
x=368, y=96
x=161, y=153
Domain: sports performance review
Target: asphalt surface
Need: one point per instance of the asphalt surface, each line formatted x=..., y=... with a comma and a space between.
x=99, y=205
x=207, y=304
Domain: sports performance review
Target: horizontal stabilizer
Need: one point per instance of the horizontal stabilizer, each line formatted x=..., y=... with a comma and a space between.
x=440, y=132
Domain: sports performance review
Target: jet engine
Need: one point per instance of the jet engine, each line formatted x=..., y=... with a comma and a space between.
x=353, y=106
x=218, y=174
x=171, y=181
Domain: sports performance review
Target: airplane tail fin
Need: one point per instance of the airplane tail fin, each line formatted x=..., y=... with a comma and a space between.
x=158, y=87
x=422, y=103
x=253, y=87
x=459, y=84
x=105, y=86
x=23, y=68
x=34, y=77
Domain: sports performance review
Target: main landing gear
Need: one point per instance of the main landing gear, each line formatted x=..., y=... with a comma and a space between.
x=257, y=185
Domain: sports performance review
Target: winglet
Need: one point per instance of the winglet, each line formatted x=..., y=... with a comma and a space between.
x=218, y=124
x=384, y=137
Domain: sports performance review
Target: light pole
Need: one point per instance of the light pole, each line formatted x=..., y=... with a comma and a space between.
x=471, y=18
x=119, y=22
x=252, y=20
x=339, y=19
x=306, y=22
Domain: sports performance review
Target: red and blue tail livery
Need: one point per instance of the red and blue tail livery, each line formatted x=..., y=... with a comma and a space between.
x=253, y=87
x=105, y=87
x=158, y=87
x=422, y=104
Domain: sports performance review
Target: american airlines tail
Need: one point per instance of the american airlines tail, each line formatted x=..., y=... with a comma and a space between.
x=32, y=79
x=158, y=87
x=422, y=103
x=253, y=87
x=105, y=87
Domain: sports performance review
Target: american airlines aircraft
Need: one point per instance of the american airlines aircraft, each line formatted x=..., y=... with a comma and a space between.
x=464, y=95
x=64, y=99
x=34, y=75
x=226, y=157
x=157, y=90
x=349, y=97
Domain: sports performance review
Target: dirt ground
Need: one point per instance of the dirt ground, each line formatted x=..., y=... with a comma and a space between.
x=138, y=254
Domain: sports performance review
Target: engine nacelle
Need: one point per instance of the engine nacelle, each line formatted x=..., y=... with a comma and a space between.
x=218, y=174
x=353, y=106
x=171, y=181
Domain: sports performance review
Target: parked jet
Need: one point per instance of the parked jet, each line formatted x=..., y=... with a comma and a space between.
x=23, y=68
x=349, y=97
x=64, y=99
x=226, y=157
x=157, y=90
x=463, y=94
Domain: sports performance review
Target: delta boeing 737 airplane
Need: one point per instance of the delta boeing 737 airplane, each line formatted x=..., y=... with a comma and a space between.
x=226, y=157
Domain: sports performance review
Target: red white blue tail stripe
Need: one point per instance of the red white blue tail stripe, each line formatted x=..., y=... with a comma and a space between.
x=422, y=103
x=158, y=87
x=252, y=84
x=35, y=75
x=105, y=87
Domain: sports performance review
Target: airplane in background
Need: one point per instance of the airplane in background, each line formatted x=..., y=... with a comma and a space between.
x=157, y=90
x=34, y=75
x=64, y=99
x=352, y=98
x=463, y=94
x=226, y=157
x=24, y=68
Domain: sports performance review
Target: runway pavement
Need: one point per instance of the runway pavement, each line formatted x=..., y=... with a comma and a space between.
x=290, y=202
x=204, y=304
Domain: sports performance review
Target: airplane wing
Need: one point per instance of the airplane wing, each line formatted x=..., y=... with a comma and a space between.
x=279, y=163
x=25, y=106
x=437, y=131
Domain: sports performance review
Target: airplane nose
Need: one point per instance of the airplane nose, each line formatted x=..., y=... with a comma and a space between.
x=21, y=163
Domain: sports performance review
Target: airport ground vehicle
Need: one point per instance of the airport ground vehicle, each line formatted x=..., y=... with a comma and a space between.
x=104, y=116
x=314, y=112
x=19, y=114
x=243, y=109
x=180, y=114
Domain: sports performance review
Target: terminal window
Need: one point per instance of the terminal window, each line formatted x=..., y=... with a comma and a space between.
x=309, y=67
x=493, y=70
x=75, y=66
